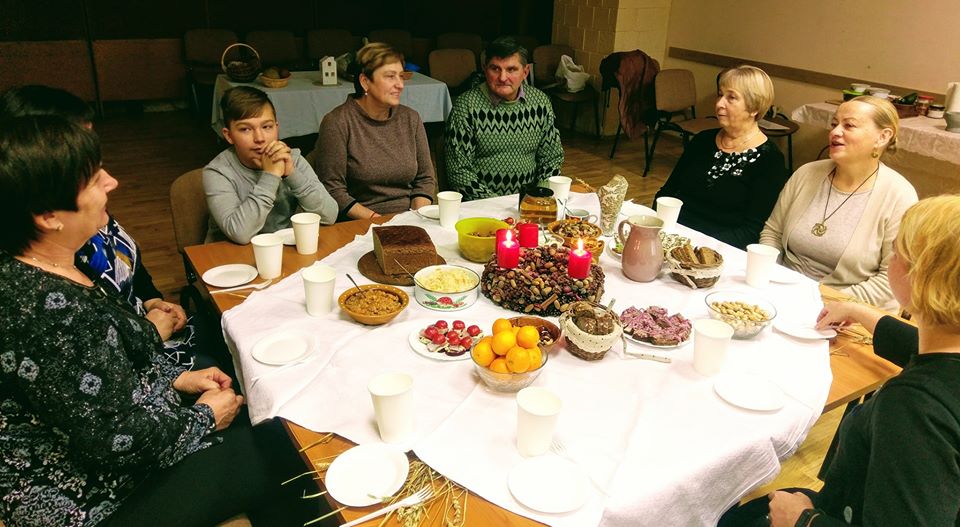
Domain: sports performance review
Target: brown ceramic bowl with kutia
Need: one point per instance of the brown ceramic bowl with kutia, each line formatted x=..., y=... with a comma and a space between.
x=374, y=304
x=549, y=332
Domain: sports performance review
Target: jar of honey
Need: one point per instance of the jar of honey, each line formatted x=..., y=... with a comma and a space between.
x=537, y=205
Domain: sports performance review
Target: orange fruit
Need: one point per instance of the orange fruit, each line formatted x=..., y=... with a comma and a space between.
x=528, y=337
x=482, y=353
x=502, y=342
x=536, y=357
x=499, y=365
x=515, y=329
x=518, y=360
x=501, y=324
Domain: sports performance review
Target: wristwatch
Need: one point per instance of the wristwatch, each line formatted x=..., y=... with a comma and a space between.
x=806, y=517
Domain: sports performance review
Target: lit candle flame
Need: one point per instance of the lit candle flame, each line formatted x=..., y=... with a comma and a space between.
x=580, y=246
x=508, y=236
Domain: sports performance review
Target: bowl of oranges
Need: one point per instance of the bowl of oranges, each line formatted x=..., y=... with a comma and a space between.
x=514, y=354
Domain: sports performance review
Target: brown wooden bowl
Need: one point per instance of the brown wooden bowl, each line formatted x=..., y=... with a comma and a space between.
x=369, y=318
x=539, y=323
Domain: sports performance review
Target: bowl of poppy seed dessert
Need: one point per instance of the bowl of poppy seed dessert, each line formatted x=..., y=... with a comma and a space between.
x=540, y=285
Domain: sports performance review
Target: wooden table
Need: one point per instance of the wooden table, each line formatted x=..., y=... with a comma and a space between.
x=856, y=370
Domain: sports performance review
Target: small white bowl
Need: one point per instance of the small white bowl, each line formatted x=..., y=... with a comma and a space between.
x=442, y=300
x=860, y=87
x=882, y=93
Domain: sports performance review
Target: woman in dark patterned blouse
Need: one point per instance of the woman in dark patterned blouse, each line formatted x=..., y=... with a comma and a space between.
x=93, y=427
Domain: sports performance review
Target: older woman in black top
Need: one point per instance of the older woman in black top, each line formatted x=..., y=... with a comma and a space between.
x=898, y=461
x=729, y=178
x=94, y=429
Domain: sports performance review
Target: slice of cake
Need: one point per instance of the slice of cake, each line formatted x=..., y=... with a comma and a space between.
x=410, y=246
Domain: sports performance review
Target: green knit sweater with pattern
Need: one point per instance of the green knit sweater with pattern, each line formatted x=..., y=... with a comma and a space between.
x=495, y=150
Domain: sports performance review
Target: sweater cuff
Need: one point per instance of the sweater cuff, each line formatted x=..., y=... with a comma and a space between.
x=422, y=195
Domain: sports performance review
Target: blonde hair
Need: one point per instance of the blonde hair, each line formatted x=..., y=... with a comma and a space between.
x=927, y=242
x=372, y=57
x=753, y=84
x=884, y=115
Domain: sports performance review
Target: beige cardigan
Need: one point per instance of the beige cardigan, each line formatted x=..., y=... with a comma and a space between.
x=862, y=269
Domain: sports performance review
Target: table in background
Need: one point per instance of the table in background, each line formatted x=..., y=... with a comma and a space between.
x=921, y=135
x=856, y=370
x=303, y=102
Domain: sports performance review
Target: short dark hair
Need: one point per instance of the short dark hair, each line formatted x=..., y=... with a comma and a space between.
x=504, y=47
x=243, y=102
x=45, y=160
x=370, y=58
x=35, y=99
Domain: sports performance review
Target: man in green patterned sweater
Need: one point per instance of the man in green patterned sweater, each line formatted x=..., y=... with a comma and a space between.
x=501, y=135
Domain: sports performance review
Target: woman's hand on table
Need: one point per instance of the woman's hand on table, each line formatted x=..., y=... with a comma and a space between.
x=418, y=202
x=202, y=381
x=840, y=314
x=225, y=405
x=785, y=507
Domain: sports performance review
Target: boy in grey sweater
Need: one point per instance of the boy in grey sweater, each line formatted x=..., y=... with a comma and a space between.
x=259, y=182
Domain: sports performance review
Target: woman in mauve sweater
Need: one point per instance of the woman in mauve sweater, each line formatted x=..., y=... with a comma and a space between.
x=372, y=153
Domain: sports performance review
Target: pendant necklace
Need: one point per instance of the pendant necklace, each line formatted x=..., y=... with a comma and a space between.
x=53, y=264
x=820, y=228
x=739, y=144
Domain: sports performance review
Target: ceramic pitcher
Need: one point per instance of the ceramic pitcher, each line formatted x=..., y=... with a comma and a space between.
x=642, y=252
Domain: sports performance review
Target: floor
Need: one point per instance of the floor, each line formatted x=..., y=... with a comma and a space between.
x=146, y=152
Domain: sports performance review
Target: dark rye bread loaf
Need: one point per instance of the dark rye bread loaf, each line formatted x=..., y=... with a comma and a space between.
x=409, y=245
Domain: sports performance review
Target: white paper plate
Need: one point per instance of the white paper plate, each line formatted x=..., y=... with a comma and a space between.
x=284, y=347
x=803, y=332
x=287, y=235
x=782, y=275
x=549, y=484
x=366, y=474
x=431, y=212
x=421, y=349
x=749, y=391
x=631, y=338
x=230, y=275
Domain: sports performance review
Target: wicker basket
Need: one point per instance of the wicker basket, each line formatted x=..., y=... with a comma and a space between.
x=243, y=64
x=695, y=275
x=273, y=83
x=905, y=110
x=588, y=346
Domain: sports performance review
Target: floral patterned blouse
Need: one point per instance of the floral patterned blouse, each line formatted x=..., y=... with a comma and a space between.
x=87, y=406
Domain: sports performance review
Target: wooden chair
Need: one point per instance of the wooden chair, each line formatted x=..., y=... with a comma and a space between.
x=329, y=42
x=277, y=48
x=202, y=49
x=470, y=41
x=452, y=67
x=399, y=39
x=546, y=59
x=676, y=95
x=188, y=207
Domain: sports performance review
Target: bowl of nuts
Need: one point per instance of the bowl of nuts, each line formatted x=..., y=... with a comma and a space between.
x=572, y=229
x=373, y=304
x=446, y=287
x=746, y=313
x=477, y=237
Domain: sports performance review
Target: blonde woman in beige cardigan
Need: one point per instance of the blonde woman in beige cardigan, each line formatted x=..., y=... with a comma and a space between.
x=836, y=219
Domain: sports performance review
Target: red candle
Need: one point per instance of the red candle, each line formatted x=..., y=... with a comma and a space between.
x=529, y=234
x=508, y=252
x=502, y=235
x=578, y=263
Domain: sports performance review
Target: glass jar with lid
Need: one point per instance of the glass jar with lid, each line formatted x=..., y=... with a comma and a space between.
x=537, y=205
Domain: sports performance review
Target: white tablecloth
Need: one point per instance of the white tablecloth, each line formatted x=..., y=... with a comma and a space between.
x=301, y=104
x=671, y=451
x=921, y=135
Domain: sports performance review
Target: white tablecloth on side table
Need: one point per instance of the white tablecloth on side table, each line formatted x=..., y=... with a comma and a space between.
x=921, y=135
x=302, y=103
x=670, y=450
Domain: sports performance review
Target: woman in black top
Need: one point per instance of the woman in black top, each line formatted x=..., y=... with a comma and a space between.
x=729, y=179
x=96, y=426
x=898, y=461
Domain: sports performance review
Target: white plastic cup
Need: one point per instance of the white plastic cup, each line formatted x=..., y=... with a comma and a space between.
x=392, y=395
x=711, y=338
x=318, y=282
x=268, y=253
x=560, y=185
x=449, y=203
x=306, y=231
x=668, y=210
x=537, y=411
x=760, y=261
